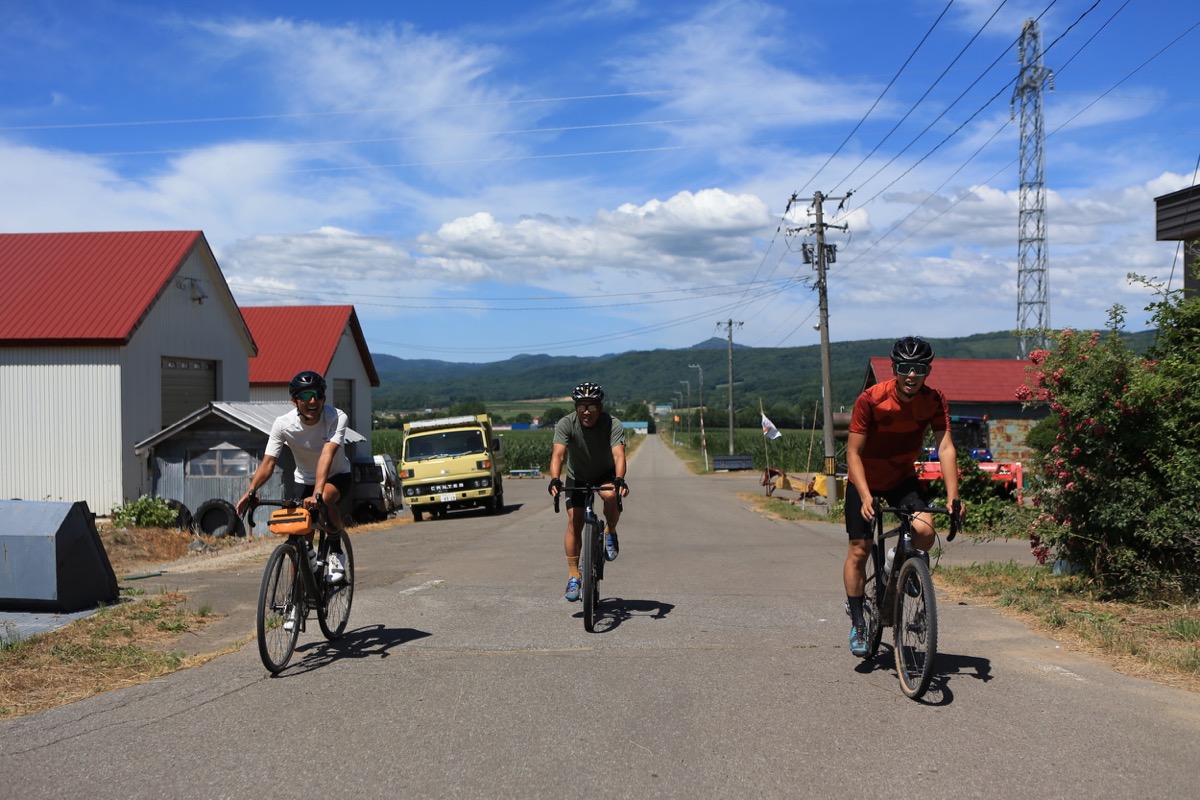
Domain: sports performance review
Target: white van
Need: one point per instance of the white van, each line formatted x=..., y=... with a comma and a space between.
x=376, y=489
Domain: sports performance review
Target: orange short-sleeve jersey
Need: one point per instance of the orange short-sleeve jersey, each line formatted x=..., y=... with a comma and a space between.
x=895, y=430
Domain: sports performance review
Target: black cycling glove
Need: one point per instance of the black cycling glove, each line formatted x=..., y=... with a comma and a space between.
x=620, y=483
x=555, y=483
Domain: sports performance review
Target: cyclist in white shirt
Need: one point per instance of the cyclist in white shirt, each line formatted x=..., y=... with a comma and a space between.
x=315, y=433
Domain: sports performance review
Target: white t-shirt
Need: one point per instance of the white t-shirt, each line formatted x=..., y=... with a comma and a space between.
x=307, y=441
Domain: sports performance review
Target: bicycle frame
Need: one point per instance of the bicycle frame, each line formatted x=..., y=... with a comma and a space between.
x=905, y=549
x=289, y=566
x=591, y=548
x=905, y=600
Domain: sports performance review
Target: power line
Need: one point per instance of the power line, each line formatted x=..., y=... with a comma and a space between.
x=859, y=124
x=921, y=99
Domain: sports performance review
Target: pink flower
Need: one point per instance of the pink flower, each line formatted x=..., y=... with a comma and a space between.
x=1038, y=356
x=1070, y=487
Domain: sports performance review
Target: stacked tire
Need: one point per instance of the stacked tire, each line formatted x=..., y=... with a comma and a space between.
x=217, y=518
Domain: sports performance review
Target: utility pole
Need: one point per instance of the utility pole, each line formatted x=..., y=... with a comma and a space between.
x=703, y=443
x=729, y=329
x=675, y=421
x=825, y=254
x=689, y=406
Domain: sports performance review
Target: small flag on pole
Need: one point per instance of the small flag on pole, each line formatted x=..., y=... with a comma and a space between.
x=769, y=429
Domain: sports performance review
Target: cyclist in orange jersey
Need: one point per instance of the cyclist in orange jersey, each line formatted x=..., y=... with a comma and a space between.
x=887, y=429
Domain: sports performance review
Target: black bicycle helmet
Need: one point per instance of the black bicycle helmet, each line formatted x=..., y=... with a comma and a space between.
x=912, y=349
x=588, y=391
x=306, y=380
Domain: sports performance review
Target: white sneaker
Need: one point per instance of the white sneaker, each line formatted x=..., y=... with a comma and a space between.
x=290, y=622
x=336, y=568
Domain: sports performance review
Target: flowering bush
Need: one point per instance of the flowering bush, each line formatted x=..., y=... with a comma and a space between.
x=1120, y=482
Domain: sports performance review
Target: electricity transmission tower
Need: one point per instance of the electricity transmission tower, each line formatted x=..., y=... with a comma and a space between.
x=1033, y=307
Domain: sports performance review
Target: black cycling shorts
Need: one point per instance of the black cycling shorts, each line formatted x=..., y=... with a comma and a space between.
x=341, y=481
x=579, y=498
x=910, y=492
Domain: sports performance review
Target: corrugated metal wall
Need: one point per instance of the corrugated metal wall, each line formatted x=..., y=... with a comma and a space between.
x=269, y=394
x=171, y=459
x=61, y=428
x=179, y=326
x=73, y=414
x=352, y=379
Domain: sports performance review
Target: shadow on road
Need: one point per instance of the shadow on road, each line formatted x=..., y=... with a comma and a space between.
x=374, y=641
x=613, y=611
x=947, y=666
x=468, y=513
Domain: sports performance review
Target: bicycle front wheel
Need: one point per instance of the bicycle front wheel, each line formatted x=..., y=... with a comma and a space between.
x=589, y=568
x=278, y=619
x=335, y=611
x=872, y=601
x=916, y=627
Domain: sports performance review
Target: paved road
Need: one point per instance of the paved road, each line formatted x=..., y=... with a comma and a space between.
x=722, y=671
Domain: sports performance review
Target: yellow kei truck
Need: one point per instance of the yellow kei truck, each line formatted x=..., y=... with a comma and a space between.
x=451, y=463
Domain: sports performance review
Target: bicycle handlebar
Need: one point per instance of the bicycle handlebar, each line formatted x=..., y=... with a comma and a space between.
x=588, y=488
x=255, y=501
x=954, y=513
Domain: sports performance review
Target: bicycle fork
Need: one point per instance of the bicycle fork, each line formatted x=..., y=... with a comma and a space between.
x=307, y=593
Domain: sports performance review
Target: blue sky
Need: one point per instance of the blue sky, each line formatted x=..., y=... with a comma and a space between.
x=578, y=178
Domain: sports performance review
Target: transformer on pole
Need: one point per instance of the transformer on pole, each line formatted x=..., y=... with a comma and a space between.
x=1033, y=305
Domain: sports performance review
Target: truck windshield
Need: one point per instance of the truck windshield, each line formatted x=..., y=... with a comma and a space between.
x=443, y=444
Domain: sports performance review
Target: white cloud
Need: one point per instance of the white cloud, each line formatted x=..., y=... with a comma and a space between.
x=687, y=238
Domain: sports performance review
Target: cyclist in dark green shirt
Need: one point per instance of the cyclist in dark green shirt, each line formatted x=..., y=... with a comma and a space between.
x=591, y=443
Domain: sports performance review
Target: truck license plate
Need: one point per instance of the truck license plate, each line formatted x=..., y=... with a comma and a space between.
x=449, y=498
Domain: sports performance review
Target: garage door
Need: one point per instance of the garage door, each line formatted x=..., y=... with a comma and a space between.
x=187, y=385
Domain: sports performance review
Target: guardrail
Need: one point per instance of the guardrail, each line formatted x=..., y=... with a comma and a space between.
x=732, y=462
x=536, y=472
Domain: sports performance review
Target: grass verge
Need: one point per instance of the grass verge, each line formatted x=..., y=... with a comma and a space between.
x=1158, y=640
x=120, y=645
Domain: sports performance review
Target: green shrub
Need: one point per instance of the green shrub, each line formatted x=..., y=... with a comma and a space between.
x=145, y=512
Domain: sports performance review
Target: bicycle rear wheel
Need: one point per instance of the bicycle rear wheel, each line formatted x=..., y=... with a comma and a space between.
x=916, y=627
x=589, y=569
x=335, y=610
x=278, y=598
x=872, y=601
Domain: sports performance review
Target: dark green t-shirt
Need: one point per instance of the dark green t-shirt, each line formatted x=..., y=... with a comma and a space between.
x=589, y=450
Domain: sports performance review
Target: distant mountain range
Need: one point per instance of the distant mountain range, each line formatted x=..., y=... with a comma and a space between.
x=790, y=375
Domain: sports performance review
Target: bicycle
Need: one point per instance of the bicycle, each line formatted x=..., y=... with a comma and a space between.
x=903, y=598
x=591, y=550
x=290, y=588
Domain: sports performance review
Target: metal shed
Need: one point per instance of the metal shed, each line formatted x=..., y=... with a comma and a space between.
x=205, y=460
x=1177, y=219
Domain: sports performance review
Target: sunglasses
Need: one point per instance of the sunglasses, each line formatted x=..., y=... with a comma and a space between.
x=592, y=407
x=915, y=367
x=308, y=396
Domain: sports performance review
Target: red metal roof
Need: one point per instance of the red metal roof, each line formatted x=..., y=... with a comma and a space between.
x=965, y=380
x=294, y=338
x=84, y=288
